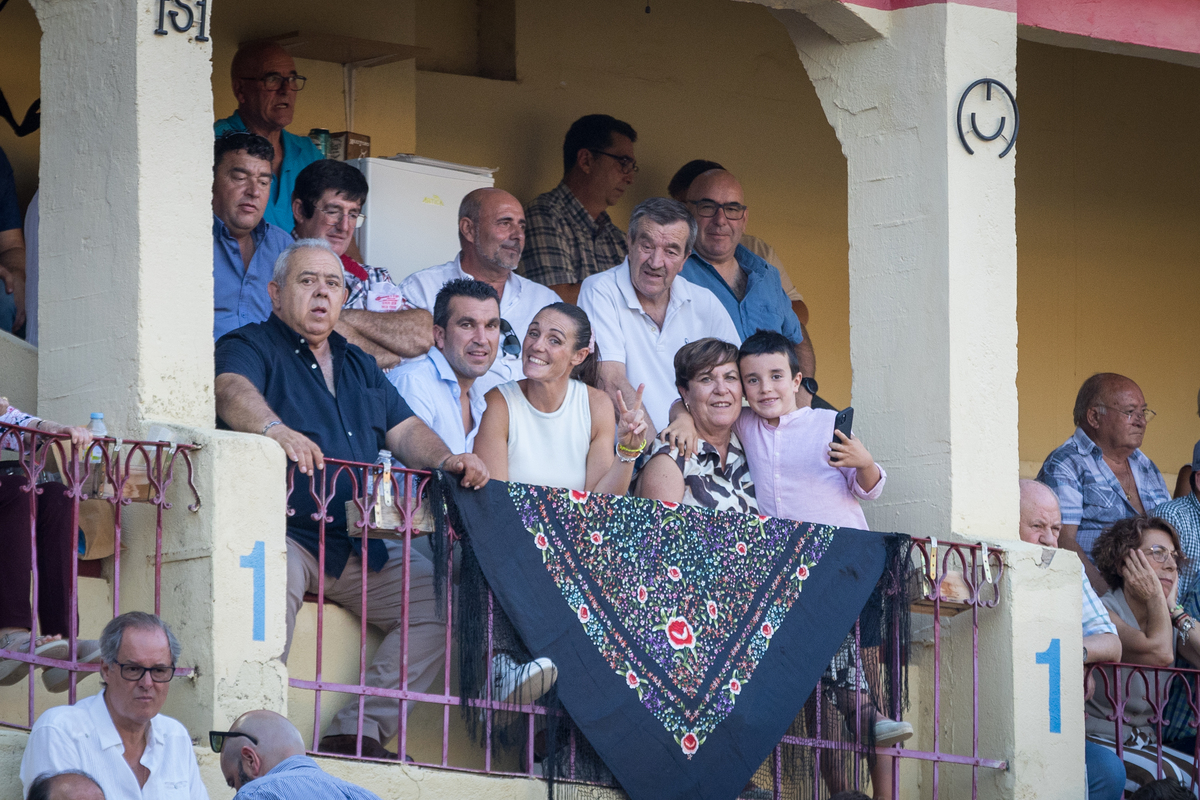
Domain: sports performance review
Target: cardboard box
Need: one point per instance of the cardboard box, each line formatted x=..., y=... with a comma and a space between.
x=346, y=145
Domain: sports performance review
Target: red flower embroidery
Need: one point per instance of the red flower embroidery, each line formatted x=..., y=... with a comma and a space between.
x=735, y=686
x=642, y=595
x=578, y=496
x=669, y=504
x=597, y=537
x=584, y=614
x=712, y=609
x=674, y=573
x=741, y=548
x=689, y=743
x=679, y=633
x=802, y=572
x=762, y=519
x=768, y=630
x=631, y=679
x=541, y=541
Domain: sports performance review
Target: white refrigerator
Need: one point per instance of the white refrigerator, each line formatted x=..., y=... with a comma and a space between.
x=412, y=210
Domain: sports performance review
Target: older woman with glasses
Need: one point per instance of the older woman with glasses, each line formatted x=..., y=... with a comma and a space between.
x=1139, y=558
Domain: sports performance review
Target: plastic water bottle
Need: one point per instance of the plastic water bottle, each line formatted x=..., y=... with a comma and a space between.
x=96, y=454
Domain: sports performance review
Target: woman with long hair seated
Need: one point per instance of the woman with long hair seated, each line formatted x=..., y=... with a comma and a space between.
x=1140, y=559
x=554, y=428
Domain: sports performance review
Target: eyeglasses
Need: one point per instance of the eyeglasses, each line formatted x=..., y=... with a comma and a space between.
x=217, y=739
x=273, y=80
x=1145, y=413
x=1161, y=554
x=334, y=216
x=708, y=208
x=511, y=344
x=628, y=165
x=134, y=672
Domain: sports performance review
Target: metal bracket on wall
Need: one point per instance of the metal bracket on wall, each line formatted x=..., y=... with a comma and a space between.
x=988, y=83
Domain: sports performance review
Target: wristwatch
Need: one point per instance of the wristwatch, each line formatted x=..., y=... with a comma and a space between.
x=809, y=384
x=1185, y=627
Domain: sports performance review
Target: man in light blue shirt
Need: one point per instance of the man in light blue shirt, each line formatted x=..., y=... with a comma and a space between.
x=265, y=84
x=440, y=386
x=262, y=756
x=245, y=245
x=1184, y=514
x=747, y=286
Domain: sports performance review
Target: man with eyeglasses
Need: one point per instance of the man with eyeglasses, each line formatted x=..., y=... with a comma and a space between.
x=570, y=233
x=491, y=237
x=1100, y=474
x=265, y=84
x=1184, y=514
x=118, y=736
x=245, y=245
x=748, y=287
x=327, y=204
x=263, y=758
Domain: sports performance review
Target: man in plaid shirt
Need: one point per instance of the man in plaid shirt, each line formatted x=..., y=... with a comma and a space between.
x=568, y=234
x=1099, y=474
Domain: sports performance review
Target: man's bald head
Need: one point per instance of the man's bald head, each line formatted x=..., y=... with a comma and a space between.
x=1040, y=517
x=243, y=761
x=491, y=232
x=71, y=785
x=250, y=57
x=264, y=110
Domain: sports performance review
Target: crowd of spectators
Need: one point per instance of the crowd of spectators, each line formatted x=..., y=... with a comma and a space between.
x=486, y=367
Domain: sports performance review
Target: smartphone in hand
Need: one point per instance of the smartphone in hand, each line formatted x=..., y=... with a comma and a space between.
x=843, y=422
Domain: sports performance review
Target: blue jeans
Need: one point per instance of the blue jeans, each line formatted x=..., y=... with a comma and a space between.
x=1105, y=772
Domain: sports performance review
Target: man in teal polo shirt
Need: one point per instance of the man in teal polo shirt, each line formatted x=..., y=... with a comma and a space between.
x=746, y=285
x=265, y=84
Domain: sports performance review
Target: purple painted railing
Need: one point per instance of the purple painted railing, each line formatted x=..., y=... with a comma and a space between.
x=969, y=576
x=128, y=471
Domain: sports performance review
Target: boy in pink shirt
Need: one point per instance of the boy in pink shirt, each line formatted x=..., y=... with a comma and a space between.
x=798, y=474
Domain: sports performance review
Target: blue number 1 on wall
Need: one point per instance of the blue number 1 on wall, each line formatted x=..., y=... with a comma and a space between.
x=257, y=561
x=1050, y=657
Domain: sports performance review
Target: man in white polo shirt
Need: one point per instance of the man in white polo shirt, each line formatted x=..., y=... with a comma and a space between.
x=491, y=233
x=441, y=387
x=642, y=312
x=118, y=736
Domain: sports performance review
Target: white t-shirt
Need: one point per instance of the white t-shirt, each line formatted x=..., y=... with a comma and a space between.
x=83, y=737
x=626, y=333
x=520, y=303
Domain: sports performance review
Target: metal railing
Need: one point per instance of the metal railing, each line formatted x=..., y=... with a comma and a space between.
x=950, y=579
x=118, y=472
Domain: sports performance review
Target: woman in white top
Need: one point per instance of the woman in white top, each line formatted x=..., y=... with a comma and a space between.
x=554, y=428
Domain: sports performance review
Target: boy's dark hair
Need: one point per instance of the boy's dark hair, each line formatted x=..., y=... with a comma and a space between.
x=1165, y=789
x=320, y=176
x=255, y=146
x=460, y=287
x=593, y=132
x=764, y=342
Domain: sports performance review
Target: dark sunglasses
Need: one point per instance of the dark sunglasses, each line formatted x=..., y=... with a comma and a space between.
x=511, y=344
x=217, y=739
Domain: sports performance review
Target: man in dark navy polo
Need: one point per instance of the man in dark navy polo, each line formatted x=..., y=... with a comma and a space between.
x=297, y=381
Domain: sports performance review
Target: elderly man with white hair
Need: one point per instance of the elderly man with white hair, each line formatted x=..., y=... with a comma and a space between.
x=1040, y=524
x=297, y=381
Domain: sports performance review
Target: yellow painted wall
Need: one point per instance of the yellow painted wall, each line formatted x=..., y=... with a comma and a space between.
x=1107, y=241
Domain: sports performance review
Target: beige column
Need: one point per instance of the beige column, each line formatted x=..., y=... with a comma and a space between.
x=126, y=329
x=933, y=343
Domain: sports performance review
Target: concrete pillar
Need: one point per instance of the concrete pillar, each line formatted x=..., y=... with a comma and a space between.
x=933, y=264
x=126, y=217
x=126, y=328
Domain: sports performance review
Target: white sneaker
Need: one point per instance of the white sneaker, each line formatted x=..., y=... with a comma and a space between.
x=889, y=732
x=521, y=684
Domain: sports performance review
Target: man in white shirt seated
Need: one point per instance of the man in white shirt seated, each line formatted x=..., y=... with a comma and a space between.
x=118, y=737
x=491, y=233
x=442, y=386
x=642, y=311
